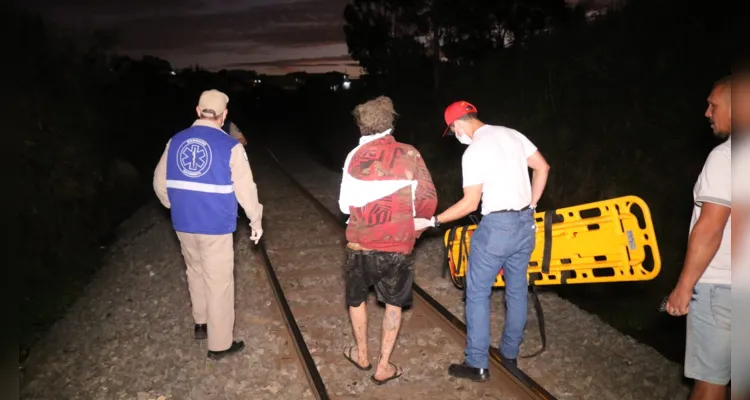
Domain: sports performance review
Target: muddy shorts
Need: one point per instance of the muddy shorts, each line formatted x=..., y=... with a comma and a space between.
x=392, y=274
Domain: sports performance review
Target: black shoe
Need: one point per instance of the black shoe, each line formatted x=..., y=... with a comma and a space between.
x=236, y=346
x=201, y=331
x=511, y=361
x=466, y=372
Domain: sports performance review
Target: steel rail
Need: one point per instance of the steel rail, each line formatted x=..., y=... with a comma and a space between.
x=311, y=370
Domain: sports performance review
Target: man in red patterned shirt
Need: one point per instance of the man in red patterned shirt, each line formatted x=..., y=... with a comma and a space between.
x=385, y=185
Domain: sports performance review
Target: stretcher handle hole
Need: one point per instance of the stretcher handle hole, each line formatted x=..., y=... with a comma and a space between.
x=603, y=272
x=637, y=211
x=649, y=262
x=591, y=213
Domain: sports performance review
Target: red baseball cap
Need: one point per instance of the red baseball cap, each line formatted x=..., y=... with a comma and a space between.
x=456, y=111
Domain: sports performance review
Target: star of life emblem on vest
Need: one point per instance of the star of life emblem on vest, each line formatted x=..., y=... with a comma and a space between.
x=194, y=157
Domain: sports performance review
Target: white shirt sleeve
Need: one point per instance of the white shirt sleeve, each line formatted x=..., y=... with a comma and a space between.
x=472, y=167
x=715, y=181
x=526, y=145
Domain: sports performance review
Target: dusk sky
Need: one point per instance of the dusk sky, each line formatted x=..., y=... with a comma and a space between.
x=269, y=36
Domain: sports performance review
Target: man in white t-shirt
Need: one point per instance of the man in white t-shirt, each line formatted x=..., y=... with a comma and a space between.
x=704, y=289
x=495, y=170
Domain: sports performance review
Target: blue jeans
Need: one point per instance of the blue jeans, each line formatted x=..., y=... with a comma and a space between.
x=501, y=240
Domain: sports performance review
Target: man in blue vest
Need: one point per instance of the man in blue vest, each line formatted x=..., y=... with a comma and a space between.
x=202, y=175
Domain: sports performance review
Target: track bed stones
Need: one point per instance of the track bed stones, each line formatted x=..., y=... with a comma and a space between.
x=130, y=336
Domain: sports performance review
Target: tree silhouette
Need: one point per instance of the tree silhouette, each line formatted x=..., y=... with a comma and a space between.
x=386, y=34
x=389, y=35
x=525, y=18
x=469, y=30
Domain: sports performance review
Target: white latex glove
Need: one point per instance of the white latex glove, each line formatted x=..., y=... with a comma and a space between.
x=255, y=234
x=423, y=223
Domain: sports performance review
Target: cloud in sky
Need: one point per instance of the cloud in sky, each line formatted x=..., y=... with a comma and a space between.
x=316, y=64
x=272, y=36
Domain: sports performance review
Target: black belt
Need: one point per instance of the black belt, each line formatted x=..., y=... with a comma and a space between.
x=507, y=211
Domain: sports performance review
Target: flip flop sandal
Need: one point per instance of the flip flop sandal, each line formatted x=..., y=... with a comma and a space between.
x=396, y=374
x=348, y=356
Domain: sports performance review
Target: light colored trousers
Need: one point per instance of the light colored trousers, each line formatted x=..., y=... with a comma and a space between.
x=210, y=275
x=708, y=347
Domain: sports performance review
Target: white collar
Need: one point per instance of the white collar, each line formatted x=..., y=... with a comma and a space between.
x=370, y=138
x=357, y=193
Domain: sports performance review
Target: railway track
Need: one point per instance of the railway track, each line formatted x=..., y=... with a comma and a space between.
x=317, y=386
x=327, y=373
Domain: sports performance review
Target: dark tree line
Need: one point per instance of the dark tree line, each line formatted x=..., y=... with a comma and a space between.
x=388, y=35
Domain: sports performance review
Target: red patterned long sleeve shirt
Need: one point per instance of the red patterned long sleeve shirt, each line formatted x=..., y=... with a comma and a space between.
x=387, y=224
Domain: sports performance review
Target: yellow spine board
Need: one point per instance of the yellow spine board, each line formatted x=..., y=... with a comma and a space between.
x=605, y=241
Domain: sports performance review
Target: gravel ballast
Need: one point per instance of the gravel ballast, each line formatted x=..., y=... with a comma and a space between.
x=130, y=335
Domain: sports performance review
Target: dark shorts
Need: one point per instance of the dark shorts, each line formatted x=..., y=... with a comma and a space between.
x=392, y=274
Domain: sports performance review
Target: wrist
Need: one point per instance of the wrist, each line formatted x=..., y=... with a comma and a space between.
x=435, y=221
x=683, y=286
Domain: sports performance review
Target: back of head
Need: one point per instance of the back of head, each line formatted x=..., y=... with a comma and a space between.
x=375, y=116
x=212, y=105
x=462, y=121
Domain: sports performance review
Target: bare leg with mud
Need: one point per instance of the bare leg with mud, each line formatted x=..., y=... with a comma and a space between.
x=359, y=326
x=391, y=325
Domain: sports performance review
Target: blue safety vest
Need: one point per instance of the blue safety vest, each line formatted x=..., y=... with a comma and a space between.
x=199, y=181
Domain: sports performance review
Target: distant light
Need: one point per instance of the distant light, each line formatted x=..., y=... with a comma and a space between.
x=347, y=84
x=172, y=73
